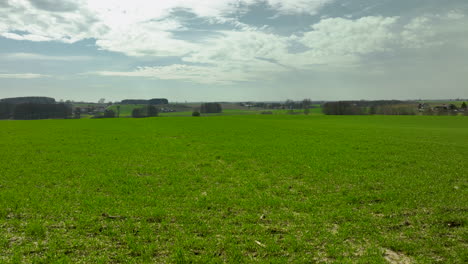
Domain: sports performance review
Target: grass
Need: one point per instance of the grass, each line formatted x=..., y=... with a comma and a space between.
x=225, y=112
x=250, y=188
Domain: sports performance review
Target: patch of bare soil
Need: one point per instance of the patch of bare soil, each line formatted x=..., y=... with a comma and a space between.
x=396, y=258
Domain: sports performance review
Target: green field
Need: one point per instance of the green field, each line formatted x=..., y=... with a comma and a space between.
x=237, y=189
x=126, y=111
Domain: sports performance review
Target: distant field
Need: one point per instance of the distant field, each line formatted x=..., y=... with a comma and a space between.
x=227, y=112
x=237, y=189
x=126, y=111
x=228, y=109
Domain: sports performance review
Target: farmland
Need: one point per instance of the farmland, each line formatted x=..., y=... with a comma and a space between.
x=248, y=188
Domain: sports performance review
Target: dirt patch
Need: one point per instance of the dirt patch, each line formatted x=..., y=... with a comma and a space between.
x=395, y=257
x=334, y=229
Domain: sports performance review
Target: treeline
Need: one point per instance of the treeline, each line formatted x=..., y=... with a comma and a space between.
x=211, y=108
x=6, y=110
x=155, y=101
x=390, y=107
x=29, y=108
x=147, y=111
x=342, y=108
x=30, y=99
x=31, y=111
x=208, y=108
x=288, y=104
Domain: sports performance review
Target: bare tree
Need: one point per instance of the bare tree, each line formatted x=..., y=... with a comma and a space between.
x=306, y=104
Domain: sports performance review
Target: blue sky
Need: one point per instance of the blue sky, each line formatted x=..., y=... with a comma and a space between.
x=234, y=50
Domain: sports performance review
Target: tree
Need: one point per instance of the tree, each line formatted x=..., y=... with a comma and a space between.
x=152, y=111
x=30, y=111
x=211, y=108
x=118, y=111
x=102, y=101
x=31, y=99
x=452, y=107
x=306, y=103
x=342, y=108
x=463, y=106
x=428, y=111
x=6, y=110
x=195, y=113
x=289, y=104
x=108, y=113
x=138, y=113
x=90, y=109
x=77, y=113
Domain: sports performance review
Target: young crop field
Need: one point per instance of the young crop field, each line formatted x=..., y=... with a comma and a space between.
x=237, y=189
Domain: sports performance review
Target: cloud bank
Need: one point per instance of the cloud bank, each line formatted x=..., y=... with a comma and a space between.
x=233, y=51
x=22, y=76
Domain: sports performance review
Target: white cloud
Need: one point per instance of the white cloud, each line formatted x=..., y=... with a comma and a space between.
x=182, y=72
x=124, y=11
x=455, y=15
x=34, y=56
x=240, y=46
x=234, y=56
x=30, y=37
x=148, y=28
x=71, y=21
x=298, y=6
x=151, y=38
x=22, y=76
x=338, y=36
x=222, y=74
x=39, y=24
x=252, y=54
x=143, y=28
x=417, y=33
x=56, y=6
x=434, y=29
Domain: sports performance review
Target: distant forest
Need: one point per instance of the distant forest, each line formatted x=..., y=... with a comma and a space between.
x=156, y=101
x=30, y=108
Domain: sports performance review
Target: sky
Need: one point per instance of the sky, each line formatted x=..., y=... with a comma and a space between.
x=234, y=50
